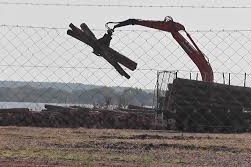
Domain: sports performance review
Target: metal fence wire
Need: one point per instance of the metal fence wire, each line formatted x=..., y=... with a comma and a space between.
x=44, y=65
x=244, y=4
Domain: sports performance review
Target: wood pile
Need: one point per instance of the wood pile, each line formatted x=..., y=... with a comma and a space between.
x=63, y=117
x=197, y=105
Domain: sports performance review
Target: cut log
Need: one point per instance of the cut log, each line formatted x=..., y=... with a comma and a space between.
x=100, y=49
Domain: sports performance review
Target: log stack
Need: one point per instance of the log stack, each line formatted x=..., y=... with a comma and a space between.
x=74, y=117
x=204, y=106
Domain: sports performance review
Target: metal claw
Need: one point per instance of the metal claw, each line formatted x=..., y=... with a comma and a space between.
x=101, y=47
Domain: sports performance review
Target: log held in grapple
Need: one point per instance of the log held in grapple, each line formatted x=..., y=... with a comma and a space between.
x=101, y=48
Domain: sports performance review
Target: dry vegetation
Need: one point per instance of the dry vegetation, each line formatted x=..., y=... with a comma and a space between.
x=25, y=146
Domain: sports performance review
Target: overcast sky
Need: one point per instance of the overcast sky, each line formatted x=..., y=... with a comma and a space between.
x=194, y=15
x=192, y=18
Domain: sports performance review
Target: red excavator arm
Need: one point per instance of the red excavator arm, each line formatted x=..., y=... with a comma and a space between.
x=173, y=27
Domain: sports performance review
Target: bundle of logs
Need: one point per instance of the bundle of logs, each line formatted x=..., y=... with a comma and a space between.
x=101, y=48
x=75, y=116
x=204, y=106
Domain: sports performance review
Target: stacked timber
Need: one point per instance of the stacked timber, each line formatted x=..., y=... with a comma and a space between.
x=73, y=116
x=204, y=106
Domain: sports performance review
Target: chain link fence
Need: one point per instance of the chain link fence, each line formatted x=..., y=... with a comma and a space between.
x=136, y=4
x=44, y=65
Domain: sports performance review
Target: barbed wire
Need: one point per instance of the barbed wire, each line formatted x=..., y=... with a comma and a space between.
x=125, y=30
x=122, y=5
x=29, y=26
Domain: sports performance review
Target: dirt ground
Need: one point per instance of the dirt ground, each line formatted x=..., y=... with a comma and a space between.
x=27, y=146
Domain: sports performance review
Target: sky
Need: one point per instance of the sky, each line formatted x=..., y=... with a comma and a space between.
x=96, y=16
x=193, y=14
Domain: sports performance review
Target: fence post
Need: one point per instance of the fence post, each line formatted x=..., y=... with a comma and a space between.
x=245, y=77
x=157, y=92
x=223, y=78
x=229, y=78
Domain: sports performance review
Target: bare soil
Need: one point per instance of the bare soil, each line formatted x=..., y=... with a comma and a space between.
x=27, y=146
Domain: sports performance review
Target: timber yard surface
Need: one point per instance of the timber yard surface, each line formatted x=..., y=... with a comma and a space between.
x=34, y=146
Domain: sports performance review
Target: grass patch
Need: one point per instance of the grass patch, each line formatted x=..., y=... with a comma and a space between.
x=45, y=154
x=76, y=155
x=175, y=162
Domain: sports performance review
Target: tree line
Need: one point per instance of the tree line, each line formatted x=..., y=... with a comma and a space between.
x=97, y=95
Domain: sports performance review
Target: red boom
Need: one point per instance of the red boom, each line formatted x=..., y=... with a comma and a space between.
x=173, y=27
